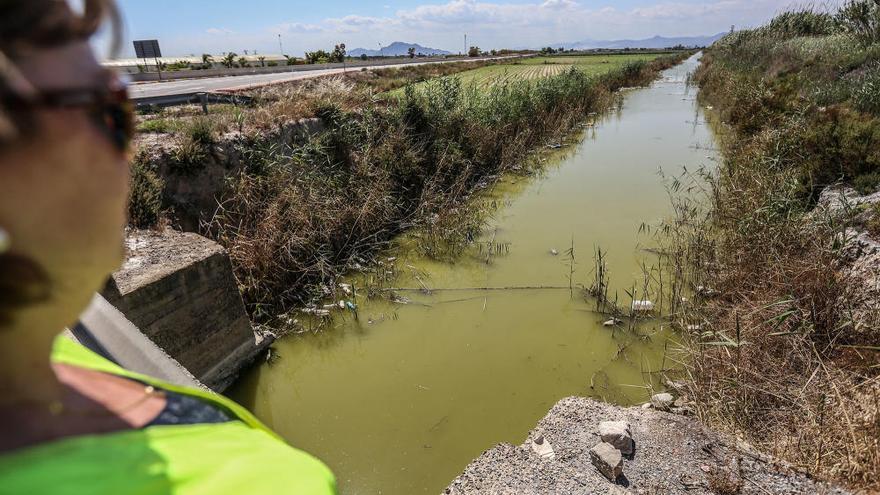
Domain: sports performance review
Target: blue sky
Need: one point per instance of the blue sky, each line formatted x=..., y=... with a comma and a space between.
x=196, y=26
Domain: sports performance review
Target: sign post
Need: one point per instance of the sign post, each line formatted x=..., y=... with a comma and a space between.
x=149, y=49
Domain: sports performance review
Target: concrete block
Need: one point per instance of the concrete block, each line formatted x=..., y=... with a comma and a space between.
x=179, y=290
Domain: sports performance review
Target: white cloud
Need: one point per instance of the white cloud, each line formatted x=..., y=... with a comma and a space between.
x=491, y=24
x=559, y=4
x=219, y=31
x=297, y=27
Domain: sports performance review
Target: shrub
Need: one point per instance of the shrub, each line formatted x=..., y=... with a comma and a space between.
x=200, y=130
x=145, y=197
x=861, y=18
x=197, y=138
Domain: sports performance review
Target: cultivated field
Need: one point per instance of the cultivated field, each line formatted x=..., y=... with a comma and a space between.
x=539, y=67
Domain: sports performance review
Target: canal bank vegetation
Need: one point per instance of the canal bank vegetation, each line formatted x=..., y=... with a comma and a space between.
x=784, y=349
x=272, y=105
x=295, y=217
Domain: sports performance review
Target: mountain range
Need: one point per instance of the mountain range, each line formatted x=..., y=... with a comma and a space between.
x=397, y=49
x=655, y=42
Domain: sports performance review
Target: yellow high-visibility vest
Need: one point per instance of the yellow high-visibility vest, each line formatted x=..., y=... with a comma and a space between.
x=237, y=457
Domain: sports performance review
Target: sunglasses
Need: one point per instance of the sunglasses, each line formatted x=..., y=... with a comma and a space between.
x=109, y=109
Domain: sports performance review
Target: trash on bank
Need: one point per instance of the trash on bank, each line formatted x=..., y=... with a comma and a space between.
x=643, y=306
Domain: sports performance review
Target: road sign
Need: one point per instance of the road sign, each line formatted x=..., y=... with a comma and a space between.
x=147, y=49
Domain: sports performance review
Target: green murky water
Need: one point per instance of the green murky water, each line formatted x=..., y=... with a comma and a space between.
x=399, y=400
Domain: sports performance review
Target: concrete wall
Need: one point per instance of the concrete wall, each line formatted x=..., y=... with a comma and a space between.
x=179, y=290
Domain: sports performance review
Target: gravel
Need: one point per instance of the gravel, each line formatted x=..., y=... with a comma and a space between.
x=673, y=454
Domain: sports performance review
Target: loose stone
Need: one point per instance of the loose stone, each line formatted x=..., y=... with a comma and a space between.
x=607, y=460
x=618, y=434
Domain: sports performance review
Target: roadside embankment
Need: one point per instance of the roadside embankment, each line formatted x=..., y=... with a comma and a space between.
x=783, y=350
x=672, y=454
x=296, y=214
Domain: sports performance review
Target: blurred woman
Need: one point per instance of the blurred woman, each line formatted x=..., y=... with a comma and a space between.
x=71, y=422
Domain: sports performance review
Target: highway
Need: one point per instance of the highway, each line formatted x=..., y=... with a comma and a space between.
x=244, y=81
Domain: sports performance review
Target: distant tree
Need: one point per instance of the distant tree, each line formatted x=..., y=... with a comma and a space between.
x=229, y=60
x=207, y=59
x=474, y=51
x=317, y=57
x=411, y=51
x=262, y=60
x=242, y=62
x=290, y=60
x=338, y=54
x=363, y=56
x=493, y=52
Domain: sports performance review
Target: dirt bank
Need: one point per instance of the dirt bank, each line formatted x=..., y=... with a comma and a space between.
x=673, y=454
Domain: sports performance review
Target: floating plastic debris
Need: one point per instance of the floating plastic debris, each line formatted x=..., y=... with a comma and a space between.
x=642, y=306
x=706, y=291
x=543, y=448
x=316, y=312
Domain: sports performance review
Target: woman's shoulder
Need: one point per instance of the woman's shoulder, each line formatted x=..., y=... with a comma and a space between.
x=220, y=458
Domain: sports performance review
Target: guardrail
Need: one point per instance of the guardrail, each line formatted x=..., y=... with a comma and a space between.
x=191, y=98
x=250, y=71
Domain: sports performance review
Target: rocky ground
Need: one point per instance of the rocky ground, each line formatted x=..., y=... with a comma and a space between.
x=673, y=454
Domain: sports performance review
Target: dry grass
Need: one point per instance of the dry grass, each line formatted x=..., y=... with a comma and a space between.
x=776, y=358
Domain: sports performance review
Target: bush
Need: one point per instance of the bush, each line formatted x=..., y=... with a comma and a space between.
x=196, y=139
x=861, y=18
x=200, y=130
x=145, y=197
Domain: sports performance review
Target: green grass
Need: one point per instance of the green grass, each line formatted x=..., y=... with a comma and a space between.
x=541, y=67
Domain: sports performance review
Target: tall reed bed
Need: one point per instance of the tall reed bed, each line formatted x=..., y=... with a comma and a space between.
x=298, y=216
x=779, y=357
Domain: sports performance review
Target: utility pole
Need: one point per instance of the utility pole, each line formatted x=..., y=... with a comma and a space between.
x=280, y=46
x=465, y=44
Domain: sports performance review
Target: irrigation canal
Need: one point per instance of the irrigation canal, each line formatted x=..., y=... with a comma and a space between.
x=402, y=398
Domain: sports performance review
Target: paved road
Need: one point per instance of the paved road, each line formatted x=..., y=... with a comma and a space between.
x=189, y=86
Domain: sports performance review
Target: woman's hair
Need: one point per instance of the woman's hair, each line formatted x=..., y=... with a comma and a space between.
x=27, y=25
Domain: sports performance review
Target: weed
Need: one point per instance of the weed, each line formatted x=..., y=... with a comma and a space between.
x=773, y=354
x=158, y=126
x=145, y=197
